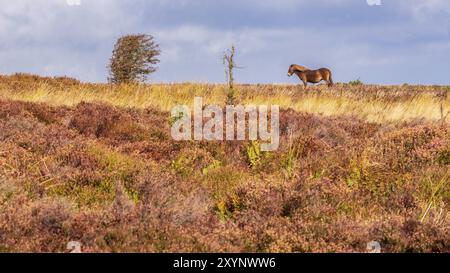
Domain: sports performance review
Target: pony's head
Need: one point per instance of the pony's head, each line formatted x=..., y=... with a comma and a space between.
x=296, y=67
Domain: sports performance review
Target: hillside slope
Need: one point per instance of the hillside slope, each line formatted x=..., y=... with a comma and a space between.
x=113, y=179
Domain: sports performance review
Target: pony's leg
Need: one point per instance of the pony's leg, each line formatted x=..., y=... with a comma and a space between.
x=330, y=80
x=305, y=84
x=327, y=80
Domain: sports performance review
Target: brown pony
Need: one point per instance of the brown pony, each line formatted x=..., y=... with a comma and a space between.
x=312, y=76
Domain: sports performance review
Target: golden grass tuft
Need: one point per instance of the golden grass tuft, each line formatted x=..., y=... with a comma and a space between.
x=369, y=102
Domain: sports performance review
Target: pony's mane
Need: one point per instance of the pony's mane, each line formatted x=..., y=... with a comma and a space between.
x=300, y=68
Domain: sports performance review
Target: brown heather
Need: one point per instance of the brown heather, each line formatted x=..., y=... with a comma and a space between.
x=112, y=178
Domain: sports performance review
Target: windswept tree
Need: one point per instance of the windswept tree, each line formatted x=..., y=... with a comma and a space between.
x=133, y=59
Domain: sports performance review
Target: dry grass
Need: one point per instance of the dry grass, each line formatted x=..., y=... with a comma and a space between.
x=369, y=102
x=113, y=179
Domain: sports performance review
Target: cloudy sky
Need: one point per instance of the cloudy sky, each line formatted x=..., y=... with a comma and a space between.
x=400, y=41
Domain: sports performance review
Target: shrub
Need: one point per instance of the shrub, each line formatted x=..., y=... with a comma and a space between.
x=356, y=82
x=253, y=154
x=72, y=173
x=105, y=121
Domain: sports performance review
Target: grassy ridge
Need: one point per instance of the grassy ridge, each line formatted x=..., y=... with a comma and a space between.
x=369, y=102
x=112, y=177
